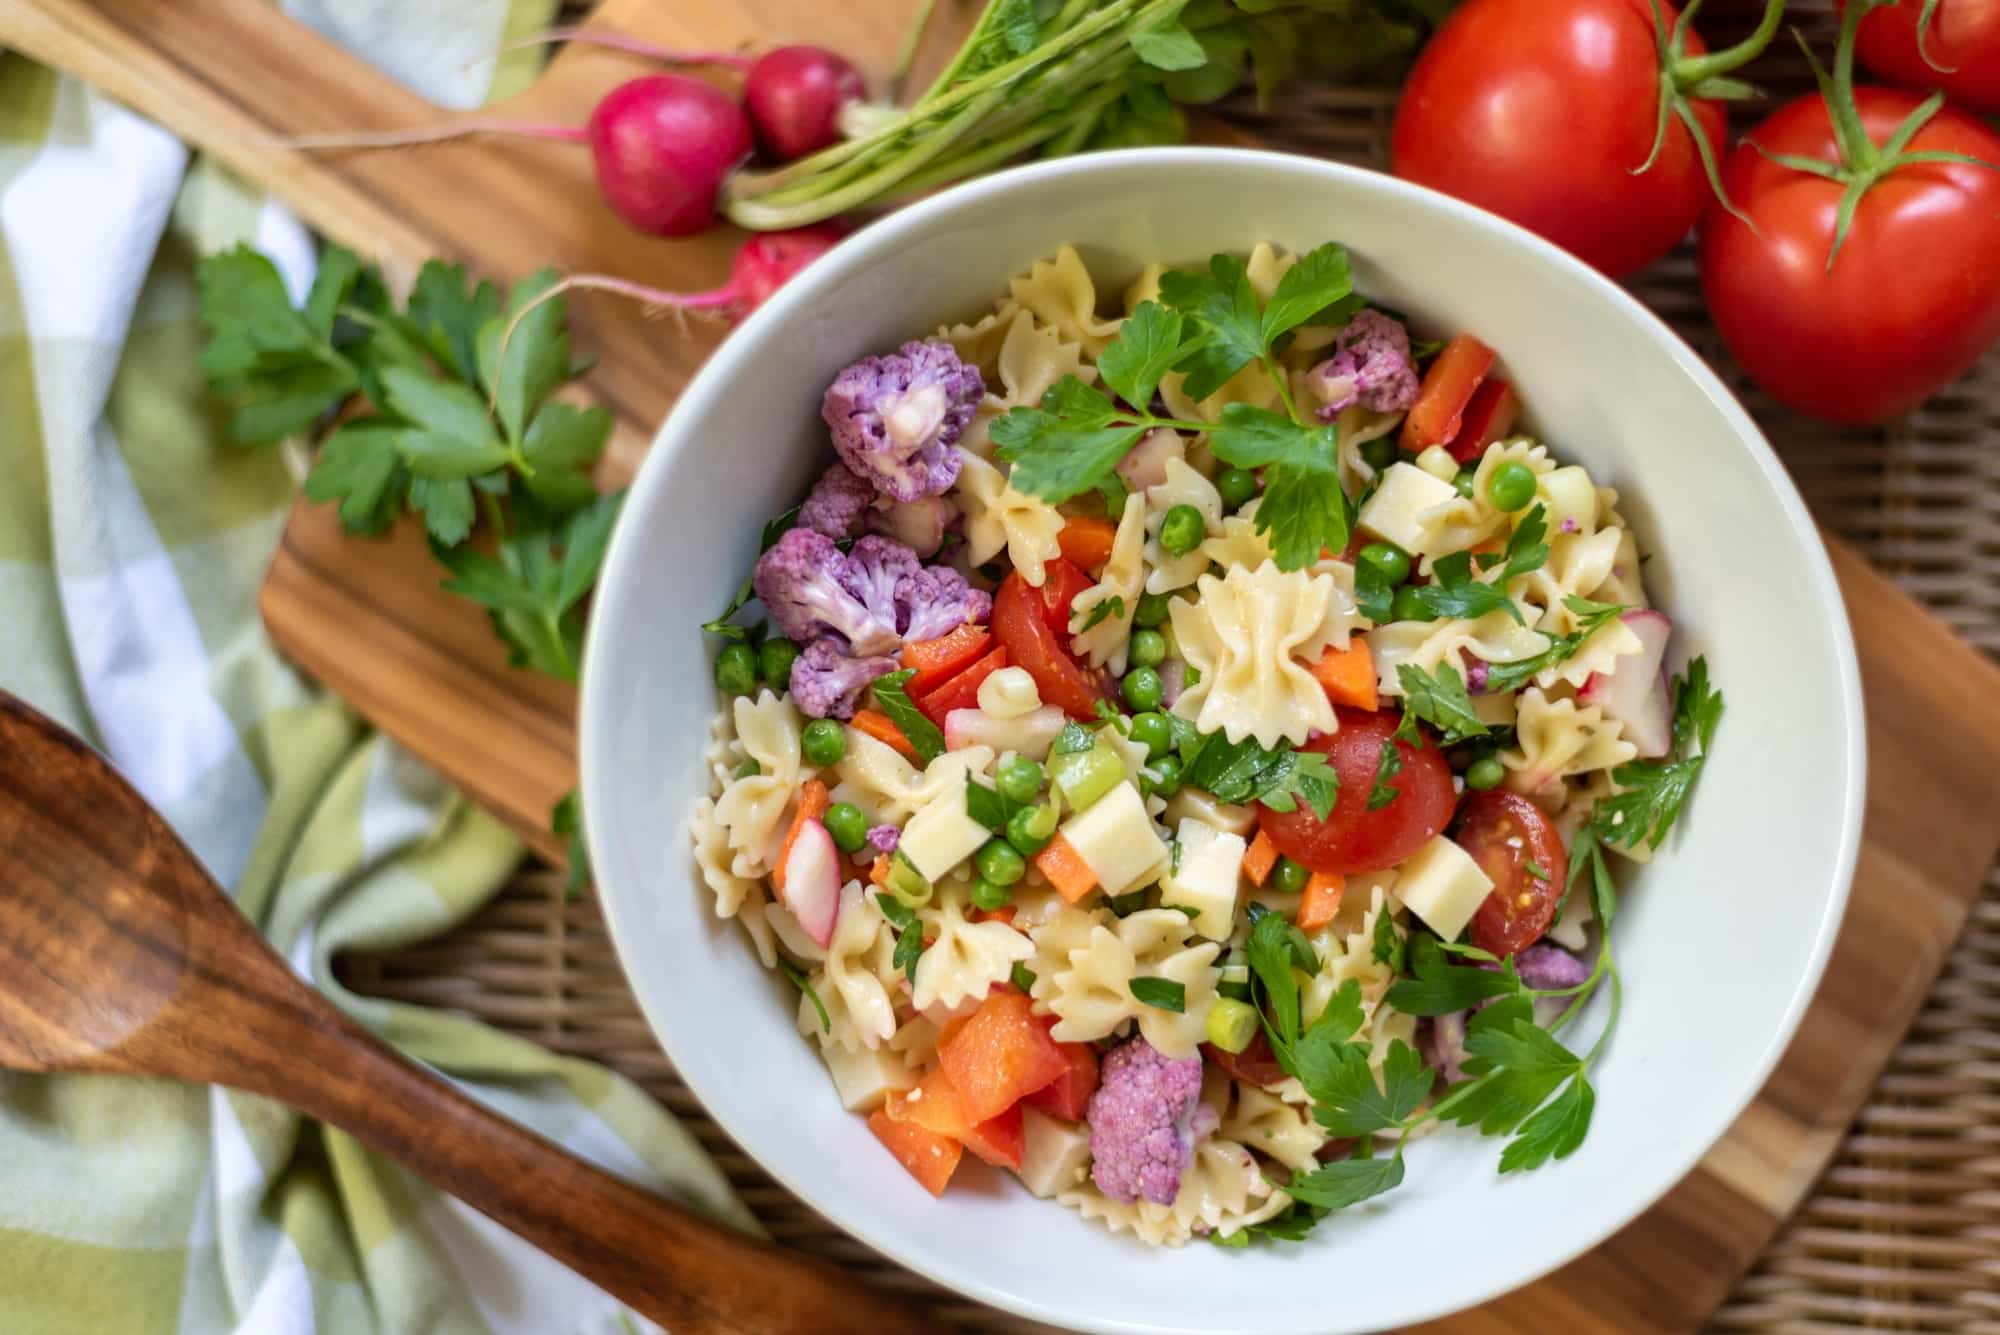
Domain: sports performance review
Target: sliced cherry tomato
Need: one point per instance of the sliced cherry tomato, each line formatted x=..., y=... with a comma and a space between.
x=1353, y=838
x=1063, y=582
x=1488, y=417
x=1505, y=832
x=938, y=661
x=1255, y=1065
x=1022, y=623
x=1439, y=412
x=962, y=691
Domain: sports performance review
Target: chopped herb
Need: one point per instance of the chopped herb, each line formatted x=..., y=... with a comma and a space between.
x=773, y=530
x=1438, y=987
x=1592, y=617
x=1654, y=791
x=923, y=735
x=909, y=934
x=1246, y=772
x=1127, y=904
x=1440, y=700
x=1073, y=739
x=1160, y=993
x=1387, y=767
x=1536, y=869
x=1456, y=593
x=1388, y=943
x=987, y=805
x=1105, y=608
x=804, y=984
x=1023, y=977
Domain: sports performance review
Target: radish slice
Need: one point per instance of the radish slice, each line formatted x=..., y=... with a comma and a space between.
x=1146, y=465
x=812, y=881
x=1635, y=692
x=1031, y=734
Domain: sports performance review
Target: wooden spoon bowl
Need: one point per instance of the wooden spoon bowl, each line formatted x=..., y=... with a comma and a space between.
x=119, y=953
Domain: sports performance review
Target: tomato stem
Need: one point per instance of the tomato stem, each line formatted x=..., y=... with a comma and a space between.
x=1689, y=74
x=1925, y=20
x=1704, y=78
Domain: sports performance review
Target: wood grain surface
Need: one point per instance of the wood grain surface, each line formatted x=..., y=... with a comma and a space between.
x=366, y=617
x=122, y=956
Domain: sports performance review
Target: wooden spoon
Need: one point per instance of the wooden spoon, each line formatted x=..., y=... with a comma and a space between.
x=118, y=953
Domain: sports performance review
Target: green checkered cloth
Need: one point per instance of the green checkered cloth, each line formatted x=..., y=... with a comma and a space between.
x=132, y=540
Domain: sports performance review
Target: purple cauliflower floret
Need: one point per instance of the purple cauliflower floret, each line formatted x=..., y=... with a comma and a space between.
x=896, y=419
x=812, y=589
x=1145, y=1119
x=1544, y=966
x=1371, y=365
x=838, y=505
x=826, y=683
x=884, y=838
x=938, y=601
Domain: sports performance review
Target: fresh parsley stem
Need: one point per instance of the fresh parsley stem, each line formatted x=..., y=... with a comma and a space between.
x=496, y=514
x=1617, y=1003
x=1283, y=382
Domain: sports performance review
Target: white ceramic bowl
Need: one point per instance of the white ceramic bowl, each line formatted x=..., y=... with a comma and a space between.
x=1721, y=939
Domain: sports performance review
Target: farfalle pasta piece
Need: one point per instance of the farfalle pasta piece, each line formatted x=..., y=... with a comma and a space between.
x=1261, y=1121
x=999, y=518
x=753, y=808
x=1356, y=427
x=964, y=958
x=889, y=789
x=1466, y=521
x=1222, y=1191
x=1493, y=638
x=739, y=897
x=1557, y=738
x=1624, y=584
x=1091, y=994
x=1252, y=385
x=850, y=981
x=1236, y=541
x=1100, y=620
x=1027, y=358
x=1060, y=293
x=1251, y=634
x=1183, y=485
x=1577, y=563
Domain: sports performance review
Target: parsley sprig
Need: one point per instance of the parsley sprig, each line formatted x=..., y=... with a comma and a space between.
x=1245, y=772
x=1456, y=592
x=1591, y=618
x=1654, y=791
x=1207, y=327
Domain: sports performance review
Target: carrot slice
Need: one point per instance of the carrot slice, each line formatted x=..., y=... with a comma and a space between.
x=812, y=805
x=1066, y=869
x=1348, y=675
x=883, y=729
x=1087, y=541
x=1321, y=900
x=1259, y=858
x=929, y=1157
x=878, y=874
x=1005, y=914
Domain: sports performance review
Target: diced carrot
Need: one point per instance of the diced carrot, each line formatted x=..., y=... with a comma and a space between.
x=883, y=729
x=1348, y=675
x=812, y=805
x=930, y=1158
x=936, y=1106
x=878, y=874
x=1066, y=869
x=939, y=660
x=1439, y=412
x=1087, y=540
x=1259, y=858
x=1488, y=417
x=1003, y=914
x=999, y=1056
x=1069, y=1093
x=962, y=691
x=1321, y=900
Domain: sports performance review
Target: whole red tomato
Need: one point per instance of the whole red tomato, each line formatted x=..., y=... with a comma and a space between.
x=1543, y=111
x=1353, y=838
x=1914, y=295
x=1962, y=41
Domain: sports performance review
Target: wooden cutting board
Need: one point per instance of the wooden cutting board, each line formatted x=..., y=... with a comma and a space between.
x=368, y=620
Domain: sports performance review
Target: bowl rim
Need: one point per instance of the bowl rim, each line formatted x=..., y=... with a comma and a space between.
x=882, y=236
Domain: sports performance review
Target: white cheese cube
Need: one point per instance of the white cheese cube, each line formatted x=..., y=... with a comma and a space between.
x=1055, y=1154
x=1406, y=492
x=942, y=835
x=1441, y=884
x=864, y=1079
x=1115, y=838
x=1572, y=498
x=1225, y=816
x=1437, y=461
x=1207, y=878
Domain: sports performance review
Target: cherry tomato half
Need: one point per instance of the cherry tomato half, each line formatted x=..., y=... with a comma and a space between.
x=1352, y=838
x=1505, y=832
x=1025, y=627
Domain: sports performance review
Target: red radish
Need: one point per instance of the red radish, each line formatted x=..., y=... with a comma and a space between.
x=1146, y=465
x=1635, y=692
x=812, y=881
x=663, y=146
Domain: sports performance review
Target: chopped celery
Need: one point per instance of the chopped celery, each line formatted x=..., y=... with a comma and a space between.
x=1084, y=776
x=1231, y=1024
x=906, y=883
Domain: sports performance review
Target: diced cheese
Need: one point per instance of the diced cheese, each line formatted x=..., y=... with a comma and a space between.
x=1207, y=878
x=1055, y=1154
x=1115, y=838
x=864, y=1079
x=1406, y=492
x=942, y=835
x=1437, y=461
x=1441, y=884
x=1225, y=816
x=1571, y=498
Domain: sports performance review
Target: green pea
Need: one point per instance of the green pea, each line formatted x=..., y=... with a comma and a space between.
x=824, y=742
x=1148, y=648
x=1408, y=607
x=1484, y=773
x=1182, y=530
x=774, y=662
x=999, y=862
x=1030, y=829
x=736, y=669
x=1237, y=487
x=1152, y=609
x=1391, y=562
x=1511, y=487
x=1379, y=453
x=1019, y=779
x=1154, y=731
x=1142, y=688
x=991, y=897
x=1169, y=770
x=748, y=769
x=849, y=828
x=1462, y=483
x=1289, y=876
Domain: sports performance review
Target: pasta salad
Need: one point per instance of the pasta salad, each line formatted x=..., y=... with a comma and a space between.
x=1180, y=756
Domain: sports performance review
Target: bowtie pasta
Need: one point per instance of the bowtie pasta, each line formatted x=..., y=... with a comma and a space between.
x=1179, y=757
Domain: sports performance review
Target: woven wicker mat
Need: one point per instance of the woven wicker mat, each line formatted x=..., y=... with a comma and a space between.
x=1903, y=1233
